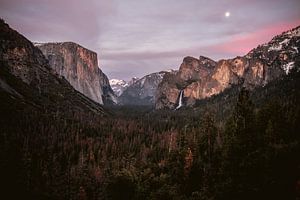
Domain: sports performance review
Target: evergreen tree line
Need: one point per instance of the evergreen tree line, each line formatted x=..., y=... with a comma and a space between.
x=141, y=154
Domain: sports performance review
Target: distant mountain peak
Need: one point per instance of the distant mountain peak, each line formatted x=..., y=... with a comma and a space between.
x=117, y=82
x=118, y=86
x=142, y=91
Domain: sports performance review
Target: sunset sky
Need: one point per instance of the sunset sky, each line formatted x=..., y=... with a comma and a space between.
x=137, y=37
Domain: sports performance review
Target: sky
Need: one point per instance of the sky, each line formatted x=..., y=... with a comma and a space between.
x=136, y=37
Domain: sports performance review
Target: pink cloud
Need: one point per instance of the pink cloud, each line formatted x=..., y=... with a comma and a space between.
x=242, y=44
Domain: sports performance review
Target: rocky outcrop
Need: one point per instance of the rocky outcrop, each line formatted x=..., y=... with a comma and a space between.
x=80, y=67
x=203, y=77
x=27, y=80
x=142, y=91
x=108, y=95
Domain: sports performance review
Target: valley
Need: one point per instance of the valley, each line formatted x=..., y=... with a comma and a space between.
x=225, y=129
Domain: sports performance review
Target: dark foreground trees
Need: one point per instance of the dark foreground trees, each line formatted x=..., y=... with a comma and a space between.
x=254, y=154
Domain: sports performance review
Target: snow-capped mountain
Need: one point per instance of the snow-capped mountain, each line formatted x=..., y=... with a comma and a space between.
x=118, y=86
x=142, y=91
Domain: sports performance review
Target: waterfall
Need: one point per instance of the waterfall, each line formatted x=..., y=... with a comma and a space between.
x=180, y=100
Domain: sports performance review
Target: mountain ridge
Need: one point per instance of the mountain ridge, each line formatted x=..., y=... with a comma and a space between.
x=142, y=91
x=203, y=77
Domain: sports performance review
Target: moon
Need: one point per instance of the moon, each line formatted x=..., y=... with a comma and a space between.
x=227, y=14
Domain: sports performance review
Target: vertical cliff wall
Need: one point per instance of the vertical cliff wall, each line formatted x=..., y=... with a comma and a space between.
x=28, y=82
x=79, y=66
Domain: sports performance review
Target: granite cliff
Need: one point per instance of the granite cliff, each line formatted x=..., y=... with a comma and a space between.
x=80, y=67
x=201, y=78
x=28, y=82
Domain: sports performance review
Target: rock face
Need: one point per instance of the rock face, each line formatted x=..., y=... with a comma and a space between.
x=203, y=77
x=27, y=80
x=142, y=91
x=108, y=95
x=80, y=67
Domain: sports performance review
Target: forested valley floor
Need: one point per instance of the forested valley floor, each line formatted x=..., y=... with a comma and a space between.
x=237, y=145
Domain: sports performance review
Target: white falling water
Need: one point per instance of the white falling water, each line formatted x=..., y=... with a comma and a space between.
x=180, y=100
